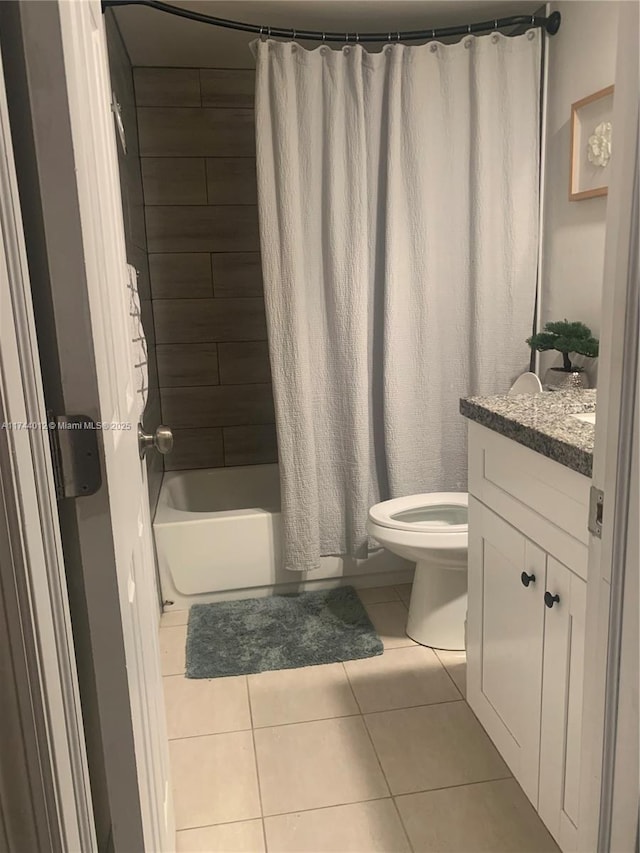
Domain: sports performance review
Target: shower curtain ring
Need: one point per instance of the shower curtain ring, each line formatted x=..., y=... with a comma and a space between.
x=294, y=33
x=357, y=37
x=324, y=36
x=398, y=36
x=269, y=32
x=469, y=29
x=389, y=36
x=495, y=24
x=346, y=37
x=533, y=20
x=433, y=34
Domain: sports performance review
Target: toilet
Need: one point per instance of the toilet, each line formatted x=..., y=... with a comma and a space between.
x=431, y=530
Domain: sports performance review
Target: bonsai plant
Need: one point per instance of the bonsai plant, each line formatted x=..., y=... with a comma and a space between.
x=566, y=338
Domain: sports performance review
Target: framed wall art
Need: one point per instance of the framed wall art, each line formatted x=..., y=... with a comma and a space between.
x=591, y=145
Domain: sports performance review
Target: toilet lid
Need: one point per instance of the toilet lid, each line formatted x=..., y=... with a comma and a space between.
x=441, y=512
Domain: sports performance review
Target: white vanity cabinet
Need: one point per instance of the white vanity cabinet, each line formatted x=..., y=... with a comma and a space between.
x=528, y=543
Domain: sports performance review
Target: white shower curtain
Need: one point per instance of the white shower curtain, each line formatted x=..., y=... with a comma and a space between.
x=398, y=202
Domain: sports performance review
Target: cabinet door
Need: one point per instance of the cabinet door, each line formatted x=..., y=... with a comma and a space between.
x=562, y=679
x=504, y=640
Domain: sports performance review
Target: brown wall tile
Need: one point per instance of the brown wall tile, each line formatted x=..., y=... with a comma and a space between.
x=250, y=445
x=207, y=320
x=217, y=405
x=237, y=274
x=184, y=132
x=174, y=180
x=244, y=362
x=232, y=180
x=195, y=448
x=227, y=87
x=167, y=87
x=200, y=201
x=183, y=274
x=213, y=228
x=181, y=365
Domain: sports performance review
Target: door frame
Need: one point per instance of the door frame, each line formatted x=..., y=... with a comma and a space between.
x=612, y=460
x=33, y=50
x=45, y=793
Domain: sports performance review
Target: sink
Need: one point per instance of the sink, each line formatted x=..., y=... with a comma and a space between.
x=586, y=418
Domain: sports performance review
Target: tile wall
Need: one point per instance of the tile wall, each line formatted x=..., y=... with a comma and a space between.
x=135, y=235
x=197, y=152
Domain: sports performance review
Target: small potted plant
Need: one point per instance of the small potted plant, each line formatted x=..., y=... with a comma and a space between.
x=565, y=338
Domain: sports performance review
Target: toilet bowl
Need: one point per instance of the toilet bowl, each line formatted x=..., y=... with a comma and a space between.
x=430, y=529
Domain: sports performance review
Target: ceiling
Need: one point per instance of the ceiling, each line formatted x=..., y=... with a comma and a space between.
x=156, y=38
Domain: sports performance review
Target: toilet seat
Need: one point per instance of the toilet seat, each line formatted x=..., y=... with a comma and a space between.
x=433, y=512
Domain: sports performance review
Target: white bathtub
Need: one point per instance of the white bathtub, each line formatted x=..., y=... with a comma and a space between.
x=218, y=535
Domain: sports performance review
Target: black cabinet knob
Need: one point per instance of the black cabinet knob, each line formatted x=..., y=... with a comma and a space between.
x=550, y=600
x=527, y=579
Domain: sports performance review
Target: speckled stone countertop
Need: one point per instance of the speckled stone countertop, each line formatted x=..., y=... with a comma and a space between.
x=542, y=422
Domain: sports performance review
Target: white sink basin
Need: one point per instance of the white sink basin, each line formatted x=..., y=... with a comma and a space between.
x=586, y=418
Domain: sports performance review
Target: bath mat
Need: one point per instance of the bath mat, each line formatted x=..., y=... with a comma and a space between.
x=281, y=632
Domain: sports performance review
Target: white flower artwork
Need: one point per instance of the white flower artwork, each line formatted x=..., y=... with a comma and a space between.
x=599, y=145
x=591, y=145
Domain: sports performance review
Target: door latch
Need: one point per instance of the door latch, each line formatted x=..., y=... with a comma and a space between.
x=596, y=508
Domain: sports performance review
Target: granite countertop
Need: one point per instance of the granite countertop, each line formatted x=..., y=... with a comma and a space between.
x=542, y=422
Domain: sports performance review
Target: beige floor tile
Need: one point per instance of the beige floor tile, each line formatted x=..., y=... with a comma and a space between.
x=404, y=592
x=492, y=817
x=173, y=641
x=372, y=827
x=377, y=594
x=400, y=678
x=201, y=706
x=434, y=746
x=244, y=837
x=298, y=695
x=456, y=664
x=390, y=621
x=174, y=617
x=214, y=779
x=311, y=765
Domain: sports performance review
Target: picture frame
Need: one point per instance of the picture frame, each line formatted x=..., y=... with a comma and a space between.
x=591, y=133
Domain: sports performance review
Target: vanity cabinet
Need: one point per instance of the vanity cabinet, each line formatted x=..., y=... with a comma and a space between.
x=525, y=626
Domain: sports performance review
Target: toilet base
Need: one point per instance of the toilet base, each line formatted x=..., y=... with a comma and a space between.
x=438, y=607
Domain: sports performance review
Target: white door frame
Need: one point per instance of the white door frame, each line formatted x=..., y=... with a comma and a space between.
x=39, y=44
x=34, y=589
x=617, y=384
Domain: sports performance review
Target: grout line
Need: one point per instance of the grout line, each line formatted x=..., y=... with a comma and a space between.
x=255, y=759
x=446, y=669
x=208, y=734
x=459, y=785
x=404, y=828
x=414, y=707
x=350, y=803
x=368, y=733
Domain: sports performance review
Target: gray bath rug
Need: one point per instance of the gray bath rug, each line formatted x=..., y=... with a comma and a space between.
x=281, y=632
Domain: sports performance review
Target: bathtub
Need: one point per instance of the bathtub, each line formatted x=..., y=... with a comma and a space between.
x=218, y=535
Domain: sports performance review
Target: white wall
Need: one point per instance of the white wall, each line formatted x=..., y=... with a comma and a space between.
x=582, y=59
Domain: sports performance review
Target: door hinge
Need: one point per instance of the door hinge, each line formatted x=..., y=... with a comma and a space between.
x=75, y=455
x=596, y=507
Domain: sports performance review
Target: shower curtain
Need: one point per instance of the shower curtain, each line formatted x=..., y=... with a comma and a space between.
x=398, y=203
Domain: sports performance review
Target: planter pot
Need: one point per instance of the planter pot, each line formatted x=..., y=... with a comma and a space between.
x=559, y=379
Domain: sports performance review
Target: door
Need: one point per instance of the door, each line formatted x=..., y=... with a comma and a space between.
x=504, y=648
x=101, y=221
x=562, y=689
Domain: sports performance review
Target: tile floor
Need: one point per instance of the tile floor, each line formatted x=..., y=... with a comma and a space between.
x=373, y=756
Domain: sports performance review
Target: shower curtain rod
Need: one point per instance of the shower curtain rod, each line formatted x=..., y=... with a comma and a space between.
x=551, y=25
